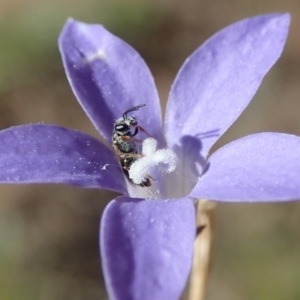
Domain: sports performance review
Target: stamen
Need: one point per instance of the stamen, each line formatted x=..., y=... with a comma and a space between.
x=163, y=160
x=149, y=146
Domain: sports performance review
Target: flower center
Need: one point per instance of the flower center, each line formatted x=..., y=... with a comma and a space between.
x=170, y=175
x=151, y=166
x=152, y=160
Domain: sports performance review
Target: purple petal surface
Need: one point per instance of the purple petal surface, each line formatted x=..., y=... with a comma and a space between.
x=219, y=79
x=259, y=167
x=52, y=154
x=108, y=77
x=147, y=247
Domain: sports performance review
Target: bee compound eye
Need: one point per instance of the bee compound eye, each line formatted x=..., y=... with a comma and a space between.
x=121, y=127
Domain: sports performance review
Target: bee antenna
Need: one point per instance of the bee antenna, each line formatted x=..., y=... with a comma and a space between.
x=137, y=107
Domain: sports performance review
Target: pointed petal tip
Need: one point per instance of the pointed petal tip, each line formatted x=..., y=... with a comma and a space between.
x=74, y=22
x=63, y=31
x=70, y=20
x=285, y=21
x=70, y=26
x=284, y=18
x=280, y=20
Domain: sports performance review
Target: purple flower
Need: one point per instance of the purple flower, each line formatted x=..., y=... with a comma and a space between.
x=147, y=245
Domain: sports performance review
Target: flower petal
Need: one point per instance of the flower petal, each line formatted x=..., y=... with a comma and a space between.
x=52, y=154
x=219, y=79
x=147, y=247
x=108, y=77
x=259, y=167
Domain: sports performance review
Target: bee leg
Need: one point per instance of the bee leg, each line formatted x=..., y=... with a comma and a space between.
x=142, y=129
x=127, y=138
x=149, y=176
x=131, y=155
x=136, y=130
x=147, y=182
x=136, y=140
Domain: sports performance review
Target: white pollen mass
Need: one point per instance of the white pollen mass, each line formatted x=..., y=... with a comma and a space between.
x=163, y=160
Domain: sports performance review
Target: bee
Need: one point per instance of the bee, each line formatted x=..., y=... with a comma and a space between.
x=124, y=142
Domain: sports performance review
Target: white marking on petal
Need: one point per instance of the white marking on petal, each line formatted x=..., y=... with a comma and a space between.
x=104, y=167
x=100, y=54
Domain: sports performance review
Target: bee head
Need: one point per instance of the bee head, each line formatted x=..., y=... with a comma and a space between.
x=123, y=126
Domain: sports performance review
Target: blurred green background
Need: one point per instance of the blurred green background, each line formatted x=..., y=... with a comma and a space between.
x=49, y=234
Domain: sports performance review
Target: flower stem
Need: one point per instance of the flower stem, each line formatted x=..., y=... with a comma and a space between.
x=202, y=250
